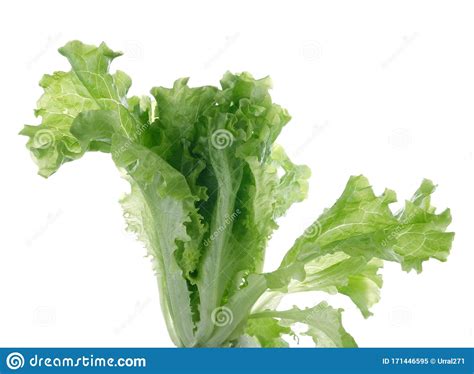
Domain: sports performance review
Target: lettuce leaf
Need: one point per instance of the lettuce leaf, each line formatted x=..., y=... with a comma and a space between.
x=323, y=323
x=343, y=250
x=87, y=87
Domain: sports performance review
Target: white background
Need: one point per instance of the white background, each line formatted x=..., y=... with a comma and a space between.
x=383, y=89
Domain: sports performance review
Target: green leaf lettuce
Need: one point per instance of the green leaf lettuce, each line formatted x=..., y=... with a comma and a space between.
x=208, y=184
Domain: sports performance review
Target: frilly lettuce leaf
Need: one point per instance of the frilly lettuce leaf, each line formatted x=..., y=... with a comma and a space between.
x=87, y=87
x=165, y=205
x=343, y=250
x=323, y=323
x=268, y=332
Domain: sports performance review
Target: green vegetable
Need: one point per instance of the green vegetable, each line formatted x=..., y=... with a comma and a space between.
x=207, y=187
